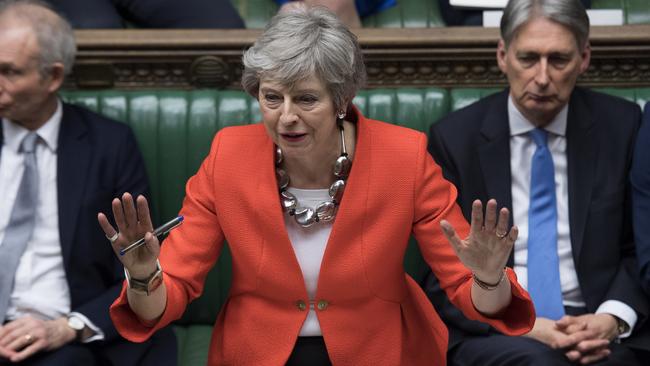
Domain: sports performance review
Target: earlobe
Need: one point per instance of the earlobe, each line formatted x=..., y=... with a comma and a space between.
x=501, y=55
x=57, y=75
x=586, y=58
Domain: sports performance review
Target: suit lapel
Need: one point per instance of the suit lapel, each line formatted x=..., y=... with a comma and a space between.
x=271, y=215
x=74, y=155
x=581, y=162
x=494, y=154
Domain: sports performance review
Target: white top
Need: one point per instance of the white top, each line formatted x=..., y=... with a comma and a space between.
x=522, y=148
x=40, y=286
x=309, y=246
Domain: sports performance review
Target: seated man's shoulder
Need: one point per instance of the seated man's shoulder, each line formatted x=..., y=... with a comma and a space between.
x=610, y=110
x=470, y=117
x=93, y=120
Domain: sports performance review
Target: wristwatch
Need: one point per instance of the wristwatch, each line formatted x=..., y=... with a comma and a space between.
x=147, y=285
x=621, y=326
x=78, y=325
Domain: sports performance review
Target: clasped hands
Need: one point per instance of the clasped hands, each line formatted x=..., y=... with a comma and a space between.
x=26, y=336
x=486, y=249
x=584, y=339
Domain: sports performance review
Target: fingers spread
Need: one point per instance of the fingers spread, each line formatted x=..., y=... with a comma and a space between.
x=106, y=226
x=129, y=210
x=491, y=215
x=451, y=235
x=143, y=212
x=477, y=217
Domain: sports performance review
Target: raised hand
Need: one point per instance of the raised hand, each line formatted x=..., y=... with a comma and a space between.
x=487, y=248
x=133, y=223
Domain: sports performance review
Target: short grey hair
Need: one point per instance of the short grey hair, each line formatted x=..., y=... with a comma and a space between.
x=306, y=42
x=569, y=13
x=54, y=34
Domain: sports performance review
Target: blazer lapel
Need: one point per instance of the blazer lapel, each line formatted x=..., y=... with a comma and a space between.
x=271, y=216
x=494, y=154
x=582, y=155
x=74, y=155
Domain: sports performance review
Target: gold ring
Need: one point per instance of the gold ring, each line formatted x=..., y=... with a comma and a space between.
x=113, y=238
x=28, y=338
x=501, y=236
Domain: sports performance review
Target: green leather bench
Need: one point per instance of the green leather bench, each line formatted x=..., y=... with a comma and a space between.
x=175, y=128
x=424, y=13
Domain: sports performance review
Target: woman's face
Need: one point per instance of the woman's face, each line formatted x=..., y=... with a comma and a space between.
x=300, y=119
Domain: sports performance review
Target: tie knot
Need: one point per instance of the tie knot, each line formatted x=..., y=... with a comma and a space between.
x=29, y=142
x=539, y=136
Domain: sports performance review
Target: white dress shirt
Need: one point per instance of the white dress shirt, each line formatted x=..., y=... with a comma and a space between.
x=40, y=285
x=522, y=148
x=309, y=245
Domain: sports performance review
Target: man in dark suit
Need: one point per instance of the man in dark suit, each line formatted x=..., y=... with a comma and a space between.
x=558, y=157
x=59, y=166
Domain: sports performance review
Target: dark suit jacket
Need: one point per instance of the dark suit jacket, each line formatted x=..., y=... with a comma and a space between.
x=640, y=177
x=98, y=159
x=472, y=146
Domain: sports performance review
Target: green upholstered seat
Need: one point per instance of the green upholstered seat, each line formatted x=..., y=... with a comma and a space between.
x=424, y=13
x=634, y=11
x=174, y=130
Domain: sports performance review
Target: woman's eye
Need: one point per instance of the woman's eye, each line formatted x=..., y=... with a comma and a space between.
x=271, y=98
x=308, y=99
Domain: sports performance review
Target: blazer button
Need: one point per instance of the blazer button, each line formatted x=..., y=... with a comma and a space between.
x=301, y=305
x=322, y=305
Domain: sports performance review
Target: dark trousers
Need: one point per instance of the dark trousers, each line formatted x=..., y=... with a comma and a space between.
x=500, y=350
x=309, y=351
x=149, y=13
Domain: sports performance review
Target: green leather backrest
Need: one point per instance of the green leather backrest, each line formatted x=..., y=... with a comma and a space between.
x=174, y=130
x=634, y=11
x=425, y=13
x=406, y=14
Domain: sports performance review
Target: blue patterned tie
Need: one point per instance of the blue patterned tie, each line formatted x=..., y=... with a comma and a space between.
x=543, y=262
x=21, y=223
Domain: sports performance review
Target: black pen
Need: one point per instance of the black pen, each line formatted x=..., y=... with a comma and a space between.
x=161, y=230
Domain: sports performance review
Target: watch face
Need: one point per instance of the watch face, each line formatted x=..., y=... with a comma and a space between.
x=76, y=323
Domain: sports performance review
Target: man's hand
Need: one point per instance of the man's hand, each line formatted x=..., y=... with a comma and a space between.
x=602, y=329
x=580, y=342
x=24, y=337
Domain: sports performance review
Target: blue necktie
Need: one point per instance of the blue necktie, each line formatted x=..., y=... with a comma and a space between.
x=543, y=262
x=21, y=223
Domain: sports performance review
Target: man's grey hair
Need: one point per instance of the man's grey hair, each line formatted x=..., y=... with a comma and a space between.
x=569, y=13
x=302, y=43
x=54, y=34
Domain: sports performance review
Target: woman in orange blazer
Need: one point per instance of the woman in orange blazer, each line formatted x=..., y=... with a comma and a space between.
x=318, y=274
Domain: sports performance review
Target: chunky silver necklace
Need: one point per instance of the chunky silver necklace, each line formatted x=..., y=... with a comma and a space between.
x=326, y=210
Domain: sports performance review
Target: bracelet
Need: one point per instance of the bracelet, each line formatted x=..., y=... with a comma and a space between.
x=489, y=286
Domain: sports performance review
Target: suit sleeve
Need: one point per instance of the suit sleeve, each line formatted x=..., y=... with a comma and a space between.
x=625, y=286
x=130, y=177
x=187, y=256
x=435, y=200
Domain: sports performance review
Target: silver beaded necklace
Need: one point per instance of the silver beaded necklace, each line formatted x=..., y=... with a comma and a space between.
x=326, y=210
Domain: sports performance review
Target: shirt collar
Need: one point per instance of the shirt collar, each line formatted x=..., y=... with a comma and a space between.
x=49, y=132
x=519, y=125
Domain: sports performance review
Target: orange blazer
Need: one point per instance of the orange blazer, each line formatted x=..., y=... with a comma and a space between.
x=375, y=313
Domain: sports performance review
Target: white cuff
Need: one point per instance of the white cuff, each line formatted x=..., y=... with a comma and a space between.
x=98, y=334
x=620, y=310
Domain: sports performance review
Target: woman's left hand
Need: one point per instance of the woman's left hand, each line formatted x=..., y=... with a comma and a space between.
x=487, y=248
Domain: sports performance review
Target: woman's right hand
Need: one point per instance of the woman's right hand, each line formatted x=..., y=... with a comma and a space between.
x=133, y=223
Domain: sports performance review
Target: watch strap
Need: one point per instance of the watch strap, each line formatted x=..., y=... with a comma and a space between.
x=146, y=285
